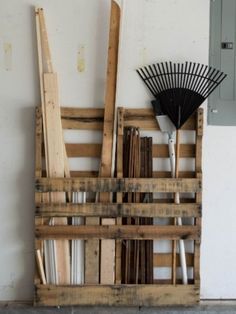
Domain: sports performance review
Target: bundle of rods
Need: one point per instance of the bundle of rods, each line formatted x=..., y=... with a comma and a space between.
x=137, y=256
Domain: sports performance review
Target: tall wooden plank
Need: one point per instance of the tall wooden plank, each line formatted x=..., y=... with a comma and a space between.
x=119, y=196
x=55, y=157
x=107, y=267
x=56, y=167
x=198, y=169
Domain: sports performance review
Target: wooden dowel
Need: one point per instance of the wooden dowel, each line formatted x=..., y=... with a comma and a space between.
x=39, y=262
x=176, y=196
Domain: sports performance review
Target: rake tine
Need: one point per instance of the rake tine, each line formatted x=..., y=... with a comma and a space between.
x=209, y=80
x=156, y=82
x=150, y=79
x=158, y=76
x=162, y=75
x=205, y=79
x=195, y=73
x=165, y=73
x=143, y=77
x=198, y=76
x=213, y=82
x=223, y=76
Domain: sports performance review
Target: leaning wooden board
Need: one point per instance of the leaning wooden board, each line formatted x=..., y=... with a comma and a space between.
x=53, y=141
x=107, y=252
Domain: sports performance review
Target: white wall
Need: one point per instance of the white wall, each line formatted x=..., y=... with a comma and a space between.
x=153, y=30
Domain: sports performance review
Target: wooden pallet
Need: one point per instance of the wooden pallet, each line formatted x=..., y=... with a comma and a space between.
x=162, y=292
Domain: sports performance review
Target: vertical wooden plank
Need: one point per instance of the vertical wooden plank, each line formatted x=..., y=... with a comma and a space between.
x=56, y=166
x=38, y=174
x=55, y=157
x=119, y=196
x=198, y=169
x=107, y=270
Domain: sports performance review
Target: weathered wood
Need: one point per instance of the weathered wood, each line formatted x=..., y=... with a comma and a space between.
x=118, y=232
x=165, y=260
x=72, y=124
x=117, y=185
x=84, y=150
x=119, y=210
x=167, y=174
x=198, y=196
x=83, y=174
x=39, y=263
x=145, y=119
x=94, y=150
x=116, y=295
x=119, y=196
x=38, y=146
x=82, y=113
x=56, y=165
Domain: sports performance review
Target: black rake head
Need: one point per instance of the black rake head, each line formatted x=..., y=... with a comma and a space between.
x=180, y=88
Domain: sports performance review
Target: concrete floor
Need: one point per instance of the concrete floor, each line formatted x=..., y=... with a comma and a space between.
x=205, y=307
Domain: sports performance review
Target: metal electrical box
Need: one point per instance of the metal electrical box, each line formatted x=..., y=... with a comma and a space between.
x=222, y=103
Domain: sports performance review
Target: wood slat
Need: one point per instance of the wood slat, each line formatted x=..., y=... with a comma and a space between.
x=167, y=174
x=198, y=196
x=94, y=150
x=145, y=119
x=165, y=260
x=72, y=124
x=82, y=113
x=117, y=185
x=116, y=295
x=84, y=150
x=119, y=210
x=162, y=151
x=83, y=174
x=138, y=232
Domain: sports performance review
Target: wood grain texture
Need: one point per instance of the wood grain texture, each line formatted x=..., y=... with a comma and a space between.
x=117, y=185
x=116, y=295
x=82, y=113
x=119, y=210
x=198, y=196
x=165, y=260
x=56, y=165
x=140, y=232
x=74, y=150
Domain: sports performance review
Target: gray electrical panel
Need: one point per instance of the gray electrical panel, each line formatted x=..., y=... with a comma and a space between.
x=222, y=103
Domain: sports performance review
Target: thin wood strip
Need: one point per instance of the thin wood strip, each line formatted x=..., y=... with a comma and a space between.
x=119, y=196
x=140, y=232
x=39, y=262
x=165, y=260
x=198, y=196
x=117, y=185
x=38, y=174
x=116, y=295
x=176, y=196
